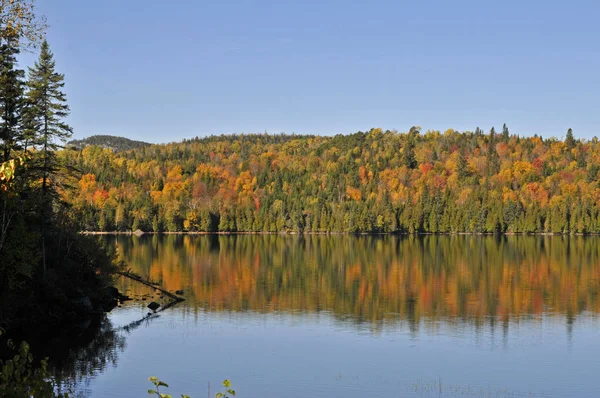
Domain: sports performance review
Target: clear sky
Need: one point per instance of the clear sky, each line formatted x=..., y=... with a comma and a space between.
x=165, y=70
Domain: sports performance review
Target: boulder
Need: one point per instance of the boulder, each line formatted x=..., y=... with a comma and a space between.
x=153, y=306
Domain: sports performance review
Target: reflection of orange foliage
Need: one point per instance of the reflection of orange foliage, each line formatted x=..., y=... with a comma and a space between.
x=371, y=278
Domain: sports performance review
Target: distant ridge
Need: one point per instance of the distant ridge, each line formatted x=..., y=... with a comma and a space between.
x=116, y=144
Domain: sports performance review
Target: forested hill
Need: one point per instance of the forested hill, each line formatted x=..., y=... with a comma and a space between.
x=117, y=144
x=378, y=181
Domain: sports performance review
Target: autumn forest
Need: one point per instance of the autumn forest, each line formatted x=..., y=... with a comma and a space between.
x=368, y=182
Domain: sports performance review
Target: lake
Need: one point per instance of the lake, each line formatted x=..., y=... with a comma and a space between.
x=351, y=316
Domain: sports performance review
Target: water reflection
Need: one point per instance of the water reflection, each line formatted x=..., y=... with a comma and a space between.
x=376, y=279
x=77, y=354
x=384, y=315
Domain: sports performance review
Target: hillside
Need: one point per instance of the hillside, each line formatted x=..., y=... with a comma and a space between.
x=376, y=181
x=117, y=144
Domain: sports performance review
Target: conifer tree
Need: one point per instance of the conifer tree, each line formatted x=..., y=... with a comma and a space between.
x=570, y=140
x=461, y=166
x=409, y=154
x=45, y=121
x=47, y=106
x=11, y=98
x=505, y=133
x=409, y=149
x=493, y=160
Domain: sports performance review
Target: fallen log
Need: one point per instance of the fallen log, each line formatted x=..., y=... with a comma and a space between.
x=137, y=278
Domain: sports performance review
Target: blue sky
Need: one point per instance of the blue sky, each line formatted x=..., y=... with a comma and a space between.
x=165, y=70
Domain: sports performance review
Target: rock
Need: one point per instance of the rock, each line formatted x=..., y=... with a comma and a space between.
x=108, y=305
x=153, y=306
x=113, y=292
x=179, y=292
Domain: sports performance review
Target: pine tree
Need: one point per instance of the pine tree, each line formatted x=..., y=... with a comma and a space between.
x=11, y=97
x=493, y=160
x=44, y=118
x=570, y=140
x=505, y=133
x=47, y=105
x=409, y=153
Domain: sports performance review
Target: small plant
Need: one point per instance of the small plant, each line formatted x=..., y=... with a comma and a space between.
x=228, y=391
x=158, y=384
x=19, y=377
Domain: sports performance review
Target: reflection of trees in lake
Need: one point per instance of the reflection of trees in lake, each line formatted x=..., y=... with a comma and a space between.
x=79, y=354
x=376, y=278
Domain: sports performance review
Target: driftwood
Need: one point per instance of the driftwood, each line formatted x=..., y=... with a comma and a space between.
x=151, y=315
x=167, y=293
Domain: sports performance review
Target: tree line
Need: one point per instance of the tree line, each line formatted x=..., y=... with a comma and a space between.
x=374, y=181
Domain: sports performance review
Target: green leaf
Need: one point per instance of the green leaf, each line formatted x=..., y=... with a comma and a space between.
x=153, y=378
x=152, y=392
x=162, y=383
x=219, y=395
x=226, y=383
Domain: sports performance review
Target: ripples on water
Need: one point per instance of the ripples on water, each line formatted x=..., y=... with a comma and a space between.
x=348, y=316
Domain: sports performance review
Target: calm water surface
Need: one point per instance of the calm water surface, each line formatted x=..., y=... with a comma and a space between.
x=344, y=316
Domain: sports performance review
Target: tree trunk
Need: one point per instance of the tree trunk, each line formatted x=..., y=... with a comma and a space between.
x=44, y=188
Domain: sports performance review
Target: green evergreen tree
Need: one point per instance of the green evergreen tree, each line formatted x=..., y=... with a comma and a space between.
x=570, y=140
x=461, y=166
x=11, y=98
x=409, y=153
x=156, y=224
x=505, y=133
x=44, y=117
x=581, y=163
x=592, y=174
x=47, y=108
x=493, y=160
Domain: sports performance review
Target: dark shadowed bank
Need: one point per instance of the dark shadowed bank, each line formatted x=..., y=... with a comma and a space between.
x=77, y=284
